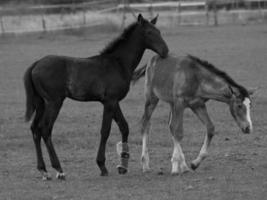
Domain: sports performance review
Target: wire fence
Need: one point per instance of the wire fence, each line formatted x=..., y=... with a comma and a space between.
x=32, y=18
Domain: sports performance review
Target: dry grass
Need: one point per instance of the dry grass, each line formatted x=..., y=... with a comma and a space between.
x=236, y=168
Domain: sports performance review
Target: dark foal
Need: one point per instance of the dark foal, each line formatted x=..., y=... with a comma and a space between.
x=105, y=78
x=189, y=82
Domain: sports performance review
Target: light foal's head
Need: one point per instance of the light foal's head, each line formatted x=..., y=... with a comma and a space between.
x=240, y=104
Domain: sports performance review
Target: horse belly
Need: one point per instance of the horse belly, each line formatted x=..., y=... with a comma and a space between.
x=169, y=86
x=163, y=94
x=162, y=85
x=88, y=90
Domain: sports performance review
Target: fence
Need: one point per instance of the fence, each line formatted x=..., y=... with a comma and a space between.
x=119, y=13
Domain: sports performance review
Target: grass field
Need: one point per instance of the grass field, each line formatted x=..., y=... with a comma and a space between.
x=236, y=168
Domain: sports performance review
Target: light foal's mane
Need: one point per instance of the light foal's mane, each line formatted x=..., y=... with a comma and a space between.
x=210, y=67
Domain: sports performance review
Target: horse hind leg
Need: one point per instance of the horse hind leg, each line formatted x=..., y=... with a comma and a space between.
x=51, y=112
x=36, y=133
x=150, y=105
x=202, y=114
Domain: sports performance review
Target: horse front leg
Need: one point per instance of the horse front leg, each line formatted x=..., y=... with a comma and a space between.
x=122, y=147
x=105, y=131
x=150, y=105
x=202, y=114
x=176, y=127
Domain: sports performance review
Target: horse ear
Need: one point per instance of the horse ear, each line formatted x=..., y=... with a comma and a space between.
x=228, y=92
x=234, y=91
x=154, y=20
x=140, y=18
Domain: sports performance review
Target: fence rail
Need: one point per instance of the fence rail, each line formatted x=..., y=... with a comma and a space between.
x=33, y=9
x=173, y=13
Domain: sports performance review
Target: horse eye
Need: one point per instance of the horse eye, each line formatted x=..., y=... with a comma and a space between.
x=240, y=106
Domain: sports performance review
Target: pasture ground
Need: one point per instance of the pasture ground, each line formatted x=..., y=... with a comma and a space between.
x=236, y=168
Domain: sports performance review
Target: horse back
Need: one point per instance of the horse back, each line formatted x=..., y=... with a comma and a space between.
x=172, y=77
x=82, y=79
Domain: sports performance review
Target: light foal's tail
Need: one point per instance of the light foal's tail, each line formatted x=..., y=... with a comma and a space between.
x=30, y=93
x=139, y=73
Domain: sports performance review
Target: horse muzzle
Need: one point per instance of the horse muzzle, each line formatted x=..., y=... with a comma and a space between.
x=164, y=52
x=247, y=130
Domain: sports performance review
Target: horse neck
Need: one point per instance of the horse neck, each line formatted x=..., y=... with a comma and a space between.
x=130, y=52
x=216, y=88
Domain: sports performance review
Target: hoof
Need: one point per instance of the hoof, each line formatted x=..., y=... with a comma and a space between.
x=185, y=170
x=61, y=176
x=175, y=173
x=104, y=173
x=46, y=176
x=194, y=166
x=160, y=173
x=121, y=170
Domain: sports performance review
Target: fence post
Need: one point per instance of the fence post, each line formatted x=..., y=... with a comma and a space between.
x=260, y=10
x=179, y=12
x=215, y=13
x=207, y=12
x=233, y=5
x=43, y=23
x=84, y=16
x=123, y=14
x=2, y=24
x=43, y=19
x=150, y=9
x=259, y=5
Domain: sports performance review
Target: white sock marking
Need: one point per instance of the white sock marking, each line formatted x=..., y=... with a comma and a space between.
x=145, y=156
x=203, y=152
x=178, y=159
x=247, y=102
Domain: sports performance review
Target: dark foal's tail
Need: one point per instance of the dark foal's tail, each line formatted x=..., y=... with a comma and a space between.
x=139, y=74
x=30, y=93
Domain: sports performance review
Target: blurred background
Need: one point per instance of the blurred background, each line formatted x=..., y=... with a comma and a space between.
x=231, y=34
x=20, y=16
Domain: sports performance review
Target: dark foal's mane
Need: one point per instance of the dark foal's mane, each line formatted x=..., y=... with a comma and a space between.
x=120, y=39
x=243, y=91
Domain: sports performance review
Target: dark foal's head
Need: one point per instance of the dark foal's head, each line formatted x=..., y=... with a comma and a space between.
x=152, y=36
x=240, y=103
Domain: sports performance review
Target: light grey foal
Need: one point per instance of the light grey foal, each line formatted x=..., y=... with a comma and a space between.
x=189, y=82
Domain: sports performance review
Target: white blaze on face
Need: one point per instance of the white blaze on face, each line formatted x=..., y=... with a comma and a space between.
x=247, y=102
